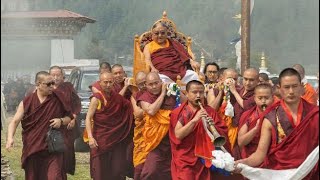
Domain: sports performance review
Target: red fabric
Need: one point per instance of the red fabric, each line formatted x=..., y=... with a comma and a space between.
x=171, y=61
x=117, y=88
x=167, y=104
x=295, y=148
x=248, y=102
x=112, y=123
x=43, y=165
x=35, y=122
x=185, y=162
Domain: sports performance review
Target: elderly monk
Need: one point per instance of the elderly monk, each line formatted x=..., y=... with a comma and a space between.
x=71, y=131
x=139, y=155
x=38, y=112
x=109, y=122
x=250, y=123
x=290, y=132
x=309, y=94
x=157, y=107
x=189, y=139
x=169, y=57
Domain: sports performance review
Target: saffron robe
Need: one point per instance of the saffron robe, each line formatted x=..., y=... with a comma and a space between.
x=35, y=125
x=171, y=61
x=155, y=133
x=310, y=94
x=185, y=162
x=112, y=125
x=297, y=141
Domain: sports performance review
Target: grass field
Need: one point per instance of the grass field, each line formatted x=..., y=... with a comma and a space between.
x=14, y=157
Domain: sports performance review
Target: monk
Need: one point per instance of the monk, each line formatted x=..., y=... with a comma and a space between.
x=250, y=124
x=169, y=57
x=290, y=132
x=218, y=98
x=139, y=155
x=189, y=139
x=109, y=132
x=157, y=107
x=38, y=112
x=71, y=132
x=309, y=94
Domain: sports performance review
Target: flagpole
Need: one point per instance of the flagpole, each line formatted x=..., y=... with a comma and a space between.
x=245, y=35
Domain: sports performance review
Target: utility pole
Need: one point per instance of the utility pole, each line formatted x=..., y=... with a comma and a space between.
x=245, y=35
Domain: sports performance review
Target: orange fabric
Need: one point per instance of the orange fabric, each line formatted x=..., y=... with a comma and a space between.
x=310, y=94
x=85, y=133
x=232, y=131
x=139, y=154
x=155, y=129
x=153, y=46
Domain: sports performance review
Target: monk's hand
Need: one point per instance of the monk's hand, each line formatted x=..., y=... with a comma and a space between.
x=164, y=88
x=10, y=143
x=195, y=65
x=201, y=113
x=56, y=122
x=92, y=143
x=257, y=125
x=237, y=169
x=71, y=124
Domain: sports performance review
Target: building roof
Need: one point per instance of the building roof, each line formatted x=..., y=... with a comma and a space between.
x=46, y=14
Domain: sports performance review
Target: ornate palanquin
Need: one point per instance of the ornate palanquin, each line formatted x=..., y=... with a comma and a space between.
x=139, y=64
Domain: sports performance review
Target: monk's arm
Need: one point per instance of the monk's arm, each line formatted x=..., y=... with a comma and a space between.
x=257, y=157
x=245, y=136
x=125, y=87
x=182, y=131
x=137, y=111
x=236, y=95
x=14, y=124
x=147, y=57
x=153, y=108
x=214, y=101
x=92, y=109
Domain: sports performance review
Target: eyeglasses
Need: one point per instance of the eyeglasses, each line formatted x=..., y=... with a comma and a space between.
x=160, y=32
x=212, y=72
x=49, y=83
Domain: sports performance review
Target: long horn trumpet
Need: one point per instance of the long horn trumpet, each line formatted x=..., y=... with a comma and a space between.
x=218, y=140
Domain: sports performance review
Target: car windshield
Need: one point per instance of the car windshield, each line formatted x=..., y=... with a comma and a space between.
x=87, y=80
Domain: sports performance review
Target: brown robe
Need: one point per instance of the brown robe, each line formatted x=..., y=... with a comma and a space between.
x=37, y=162
x=112, y=128
x=73, y=99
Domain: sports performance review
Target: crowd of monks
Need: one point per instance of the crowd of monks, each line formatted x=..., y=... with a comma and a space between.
x=139, y=130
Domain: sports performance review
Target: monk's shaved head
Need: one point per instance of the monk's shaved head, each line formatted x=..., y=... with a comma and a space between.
x=250, y=79
x=105, y=75
x=140, y=75
x=159, y=24
x=153, y=76
x=230, y=73
x=300, y=69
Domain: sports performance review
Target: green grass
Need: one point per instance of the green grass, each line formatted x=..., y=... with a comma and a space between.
x=14, y=156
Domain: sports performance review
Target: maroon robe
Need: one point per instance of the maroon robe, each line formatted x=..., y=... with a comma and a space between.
x=171, y=61
x=185, y=162
x=35, y=125
x=250, y=118
x=157, y=164
x=117, y=88
x=112, y=126
x=248, y=102
x=299, y=142
x=72, y=98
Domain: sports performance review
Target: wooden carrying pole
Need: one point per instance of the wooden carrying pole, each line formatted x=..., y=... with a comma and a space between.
x=245, y=35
